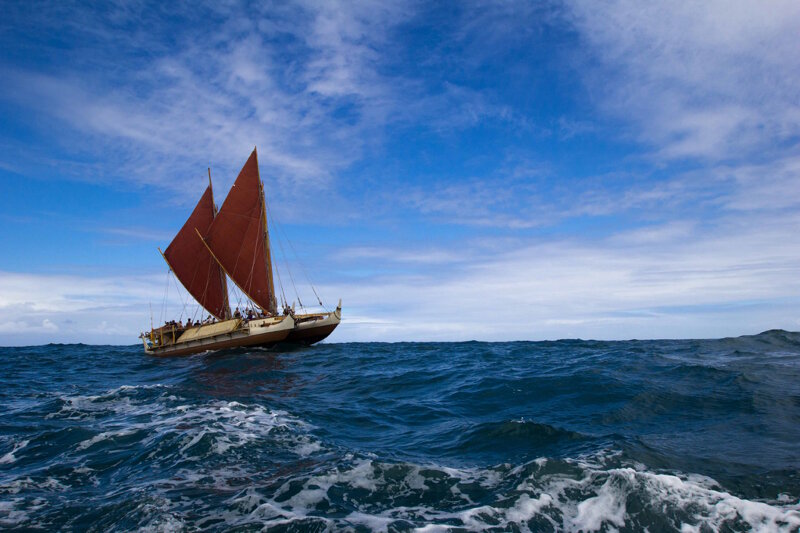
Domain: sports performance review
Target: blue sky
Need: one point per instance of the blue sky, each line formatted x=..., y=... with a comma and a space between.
x=452, y=171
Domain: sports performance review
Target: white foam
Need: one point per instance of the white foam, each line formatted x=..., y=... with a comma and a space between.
x=372, y=522
x=595, y=500
x=10, y=457
x=106, y=435
x=307, y=447
x=587, y=494
x=10, y=516
x=605, y=508
x=526, y=507
x=224, y=425
x=26, y=484
x=414, y=480
x=231, y=425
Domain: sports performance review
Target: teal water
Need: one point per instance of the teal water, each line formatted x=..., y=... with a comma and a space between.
x=692, y=435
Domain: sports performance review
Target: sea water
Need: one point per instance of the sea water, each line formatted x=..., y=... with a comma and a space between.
x=571, y=435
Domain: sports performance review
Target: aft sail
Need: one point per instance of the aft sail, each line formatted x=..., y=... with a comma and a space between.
x=192, y=263
x=239, y=241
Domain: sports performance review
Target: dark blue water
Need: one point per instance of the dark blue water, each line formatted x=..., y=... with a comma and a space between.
x=699, y=435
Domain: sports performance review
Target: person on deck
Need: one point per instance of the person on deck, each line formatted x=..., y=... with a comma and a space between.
x=237, y=313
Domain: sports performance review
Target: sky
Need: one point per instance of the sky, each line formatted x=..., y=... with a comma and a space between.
x=451, y=170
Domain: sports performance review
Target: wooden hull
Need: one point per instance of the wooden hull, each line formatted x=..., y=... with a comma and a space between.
x=312, y=328
x=313, y=331
x=235, y=333
x=224, y=335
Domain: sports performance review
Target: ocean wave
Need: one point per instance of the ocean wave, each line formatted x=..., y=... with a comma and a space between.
x=120, y=400
x=563, y=495
x=9, y=457
x=521, y=436
x=564, y=436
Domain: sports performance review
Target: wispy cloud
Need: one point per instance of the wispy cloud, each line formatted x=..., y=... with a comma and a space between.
x=207, y=94
x=310, y=83
x=389, y=255
x=713, y=80
x=676, y=280
x=656, y=284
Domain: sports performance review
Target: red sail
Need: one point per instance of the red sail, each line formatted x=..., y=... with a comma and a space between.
x=238, y=237
x=192, y=263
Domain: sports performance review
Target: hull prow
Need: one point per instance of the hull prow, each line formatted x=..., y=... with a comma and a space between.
x=311, y=328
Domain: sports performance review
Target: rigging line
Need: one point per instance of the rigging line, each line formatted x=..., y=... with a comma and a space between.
x=237, y=295
x=191, y=284
x=184, y=302
x=286, y=262
x=280, y=284
x=299, y=262
x=289, y=270
x=183, y=299
x=164, y=301
x=278, y=275
x=277, y=270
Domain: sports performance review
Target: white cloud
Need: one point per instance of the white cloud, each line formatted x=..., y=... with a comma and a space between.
x=711, y=80
x=215, y=91
x=766, y=186
x=676, y=281
x=41, y=308
x=682, y=279
x=388, y=255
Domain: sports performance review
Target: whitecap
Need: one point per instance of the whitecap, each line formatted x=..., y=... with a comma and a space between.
x=582, y=495
x=10, y=457
x=106, y=435
x=10, y=515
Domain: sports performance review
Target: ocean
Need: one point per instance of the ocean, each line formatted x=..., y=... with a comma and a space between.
x=569, y=435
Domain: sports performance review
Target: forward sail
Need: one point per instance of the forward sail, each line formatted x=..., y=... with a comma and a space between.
x=192, y=263
x=239, y=241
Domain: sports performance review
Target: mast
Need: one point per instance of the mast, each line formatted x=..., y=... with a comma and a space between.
x=237, y=238
x=222, y=278
x=273, y=301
